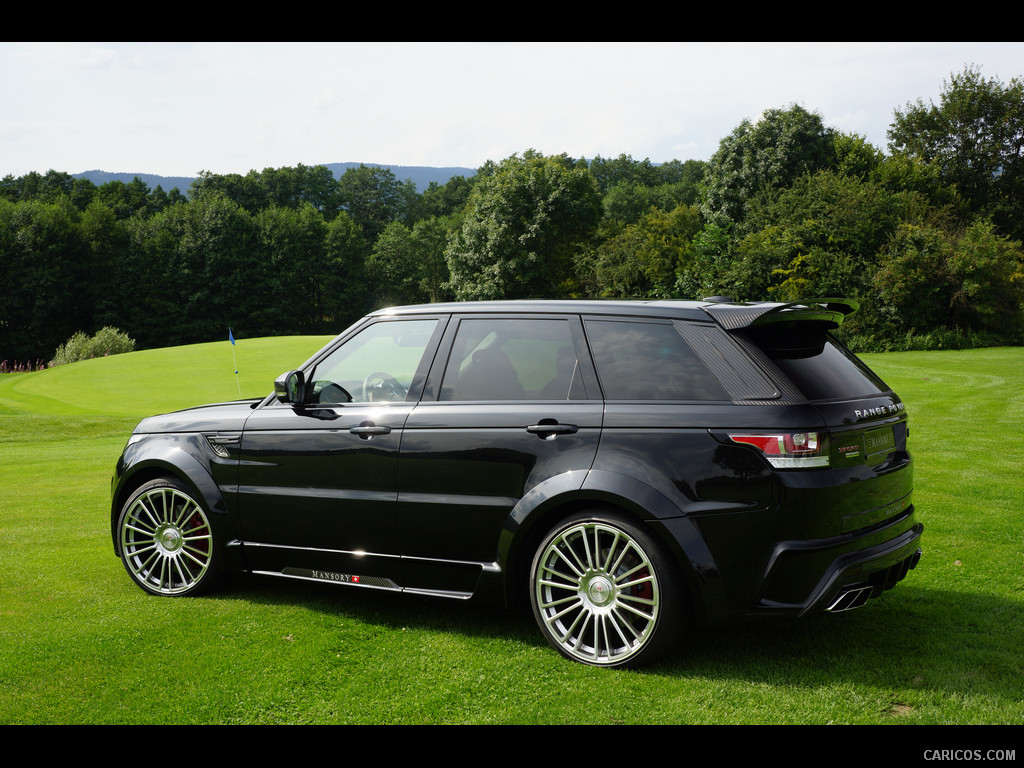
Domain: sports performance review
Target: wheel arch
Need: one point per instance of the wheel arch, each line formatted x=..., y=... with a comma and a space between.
x=618, y=494
x=170, y=462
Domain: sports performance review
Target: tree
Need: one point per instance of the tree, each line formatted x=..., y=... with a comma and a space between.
x=987, y=271
x=429, y=241
x=44, y=270
x=125, y=199
x=284, y=187
x=318, y=187
x=106, y=239
x=215, y=259
x=710, y=257
x=522, y=225
x=624, y=170
x=83, y=192
x=282, y=286
x=391, y=267
x=407, y=265
x=341, y=280
x=974, y=136
x=689, y=173
x=820, y=237
x=373, y=198
x=971, y=282
x=624, y=204
x=767, y=155
x=913, y=279
x=302, y=185
x=151, y=290
x=247, y=191
x=645, y=259
x=447, y=199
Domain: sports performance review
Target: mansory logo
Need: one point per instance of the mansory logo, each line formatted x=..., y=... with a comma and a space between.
x=879, y=440
x=331, y=576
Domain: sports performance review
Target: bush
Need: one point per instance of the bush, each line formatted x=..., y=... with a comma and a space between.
x=107, y=341
x=110, y=341
x=911, y=341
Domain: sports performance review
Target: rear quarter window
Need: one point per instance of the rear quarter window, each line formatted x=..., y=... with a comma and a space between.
x=639, y=360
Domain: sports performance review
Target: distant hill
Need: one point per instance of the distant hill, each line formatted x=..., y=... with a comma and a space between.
x=420, y=175
x=167, y=183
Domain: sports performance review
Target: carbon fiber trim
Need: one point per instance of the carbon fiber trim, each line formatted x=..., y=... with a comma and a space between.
x=734, y=371
x=377, y=582
x=735, y=316
x=789, y=394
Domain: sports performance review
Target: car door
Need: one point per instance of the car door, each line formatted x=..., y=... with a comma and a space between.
x=510, y=408
x=318, y=479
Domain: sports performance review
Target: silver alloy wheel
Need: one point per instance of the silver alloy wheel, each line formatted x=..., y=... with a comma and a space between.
x=166, y=541
x=596, y=593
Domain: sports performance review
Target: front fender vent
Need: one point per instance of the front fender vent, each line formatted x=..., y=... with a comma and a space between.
x=223, y=442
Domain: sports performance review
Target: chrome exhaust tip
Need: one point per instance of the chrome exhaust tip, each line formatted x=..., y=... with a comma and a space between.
x=850, y=599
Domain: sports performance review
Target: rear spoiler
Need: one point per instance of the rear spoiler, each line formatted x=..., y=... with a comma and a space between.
x=733, y=315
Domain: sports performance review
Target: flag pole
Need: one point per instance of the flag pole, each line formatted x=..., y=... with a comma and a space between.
x=231, y=338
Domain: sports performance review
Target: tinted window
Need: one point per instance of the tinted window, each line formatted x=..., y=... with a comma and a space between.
x=831, y=372
x=818, y=365
x=648, y=361
x=509, y=359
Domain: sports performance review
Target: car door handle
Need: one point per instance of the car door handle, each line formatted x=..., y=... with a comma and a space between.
x=548, y=429
x=368, y=429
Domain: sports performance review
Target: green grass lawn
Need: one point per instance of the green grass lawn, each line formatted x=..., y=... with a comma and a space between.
x=79, y=643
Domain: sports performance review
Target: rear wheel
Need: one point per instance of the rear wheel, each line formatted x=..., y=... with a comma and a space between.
x=604, y=593
x=166, y=540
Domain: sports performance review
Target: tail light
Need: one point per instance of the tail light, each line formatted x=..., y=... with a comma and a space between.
x=789, y=450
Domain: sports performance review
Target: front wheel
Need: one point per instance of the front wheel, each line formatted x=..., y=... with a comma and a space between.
x=166, y=540
x=604, y=593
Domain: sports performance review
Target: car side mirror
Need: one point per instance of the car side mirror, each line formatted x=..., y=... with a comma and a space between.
x=290, y=387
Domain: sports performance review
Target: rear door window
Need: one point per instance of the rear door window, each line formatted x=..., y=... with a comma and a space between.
x=510, y=359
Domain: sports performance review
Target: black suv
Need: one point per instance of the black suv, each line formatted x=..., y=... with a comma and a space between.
x=635, y=468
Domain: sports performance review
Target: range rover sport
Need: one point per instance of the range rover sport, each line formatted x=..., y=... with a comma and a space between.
x=632, y=469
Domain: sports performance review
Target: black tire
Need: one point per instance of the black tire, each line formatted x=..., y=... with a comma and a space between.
x=166, y=540
x=605, y=593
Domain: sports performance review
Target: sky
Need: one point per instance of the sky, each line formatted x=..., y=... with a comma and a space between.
x=175, y=109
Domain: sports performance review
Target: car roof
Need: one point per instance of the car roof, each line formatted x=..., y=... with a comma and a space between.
x=730, y=314
x=666, y=308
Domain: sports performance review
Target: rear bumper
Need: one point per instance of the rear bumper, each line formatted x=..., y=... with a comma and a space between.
x=849, y=568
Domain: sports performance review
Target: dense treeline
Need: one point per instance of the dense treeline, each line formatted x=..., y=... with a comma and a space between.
x=927, y=236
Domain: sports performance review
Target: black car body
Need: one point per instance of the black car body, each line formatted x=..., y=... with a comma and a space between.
x=634, y=468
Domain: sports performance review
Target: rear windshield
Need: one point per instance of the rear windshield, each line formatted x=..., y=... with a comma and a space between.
x=821, y=367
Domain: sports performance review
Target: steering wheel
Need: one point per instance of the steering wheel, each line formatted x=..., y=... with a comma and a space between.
x=385, y=384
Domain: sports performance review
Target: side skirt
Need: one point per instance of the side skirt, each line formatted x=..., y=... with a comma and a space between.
x=456, y=580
